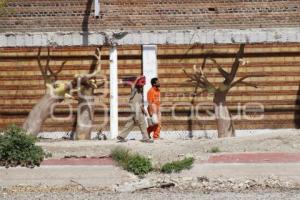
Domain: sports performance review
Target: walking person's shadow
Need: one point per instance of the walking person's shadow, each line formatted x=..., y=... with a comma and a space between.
x=297, y=110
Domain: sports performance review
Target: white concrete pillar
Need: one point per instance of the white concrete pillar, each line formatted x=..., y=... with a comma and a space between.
x=113, y=82
x=149, y=66
x=97, y=8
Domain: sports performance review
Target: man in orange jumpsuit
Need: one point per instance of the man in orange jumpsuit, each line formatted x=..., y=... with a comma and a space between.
x=153, y=98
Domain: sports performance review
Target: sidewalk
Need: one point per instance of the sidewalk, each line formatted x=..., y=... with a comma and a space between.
x=102, y=172
x=251, y=165
x=62, y=175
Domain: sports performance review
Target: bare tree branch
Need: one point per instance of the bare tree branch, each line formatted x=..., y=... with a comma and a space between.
x=201, y=92
x=199, y=78
x=188, y=75
x=48, y=74
x=235, y=65
x=220, y=69
x=241, y=81
x=247, y=84
x=48, y=61
x=204, y=63
x=98, y=68
x=60, y=68
x=42, y=68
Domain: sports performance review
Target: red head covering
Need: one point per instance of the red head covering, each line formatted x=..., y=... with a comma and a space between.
x=141, y=82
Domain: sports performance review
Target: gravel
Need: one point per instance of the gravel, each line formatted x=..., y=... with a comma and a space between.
x=207, y=185
x=164, y=184
x=158, y=194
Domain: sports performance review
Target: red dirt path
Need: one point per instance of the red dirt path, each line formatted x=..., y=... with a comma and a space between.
x=79, y=161
x=255, y=158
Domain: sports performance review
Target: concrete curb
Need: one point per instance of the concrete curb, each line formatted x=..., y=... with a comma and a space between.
x=100, y=176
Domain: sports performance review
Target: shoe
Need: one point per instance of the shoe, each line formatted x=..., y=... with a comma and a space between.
x=147, y=141
x=121, y=139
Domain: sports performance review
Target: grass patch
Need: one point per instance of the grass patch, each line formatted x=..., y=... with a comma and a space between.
x=177, y=166
x=132, y=162
x=120, y=154
x=140, y=165
x=214, y=150
x=18, y=148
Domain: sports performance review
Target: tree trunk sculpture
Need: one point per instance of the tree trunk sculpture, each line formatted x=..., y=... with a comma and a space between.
x=86, y=105
x=40, y=112
x=57, y=92
x=223, y=117
x=54, y=94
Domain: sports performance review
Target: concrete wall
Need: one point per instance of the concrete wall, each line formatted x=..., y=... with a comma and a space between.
x=128, y=15
x=278, y=92
x=204, y=36
x=21, y=83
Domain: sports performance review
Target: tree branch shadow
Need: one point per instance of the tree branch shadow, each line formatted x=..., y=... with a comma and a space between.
x=85, y=22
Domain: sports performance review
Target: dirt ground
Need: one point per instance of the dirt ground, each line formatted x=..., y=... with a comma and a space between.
x=171, y=149
x=151, y=195
x=165, y=150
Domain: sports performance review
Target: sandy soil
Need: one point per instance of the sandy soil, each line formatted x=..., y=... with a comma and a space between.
x=172, y=149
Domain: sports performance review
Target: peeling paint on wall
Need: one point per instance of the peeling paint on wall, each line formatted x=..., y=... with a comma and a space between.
x=209, y=36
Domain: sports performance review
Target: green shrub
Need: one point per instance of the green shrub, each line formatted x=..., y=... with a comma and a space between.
x=17, y=148
x=135, y=163
x=3, y=3
x=214, y=150
x=139, y=165
x=120, y=154
x=177, y=166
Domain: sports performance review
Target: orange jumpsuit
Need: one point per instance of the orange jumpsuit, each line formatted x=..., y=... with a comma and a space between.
x=153, y=98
